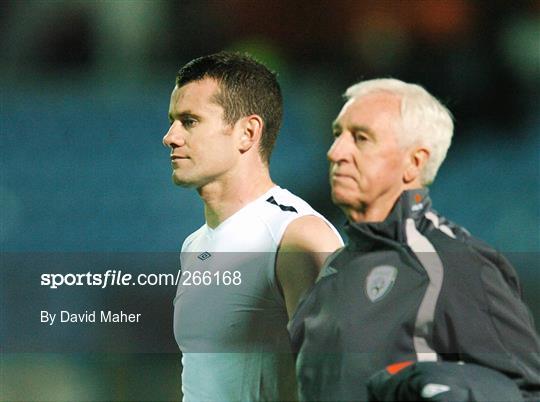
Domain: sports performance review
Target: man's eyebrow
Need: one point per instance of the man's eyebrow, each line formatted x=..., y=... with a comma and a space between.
x=180, y=115
x=354, y=129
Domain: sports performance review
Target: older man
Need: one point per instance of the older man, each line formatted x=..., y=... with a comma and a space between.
x=410, y=286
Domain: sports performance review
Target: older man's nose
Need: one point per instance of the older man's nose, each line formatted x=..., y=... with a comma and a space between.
x=339, y=149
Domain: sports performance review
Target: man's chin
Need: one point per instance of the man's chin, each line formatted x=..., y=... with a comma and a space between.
x=340, y=199
x=182, y=182
x=346, y=201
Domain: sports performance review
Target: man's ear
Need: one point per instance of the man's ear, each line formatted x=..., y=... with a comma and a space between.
x=416, y=161
x=251, y=127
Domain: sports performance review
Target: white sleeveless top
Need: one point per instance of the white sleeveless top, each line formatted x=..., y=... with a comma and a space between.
x=230, y=319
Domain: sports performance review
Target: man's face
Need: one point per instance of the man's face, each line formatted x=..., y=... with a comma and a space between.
x=366, y=161
x=201, y=142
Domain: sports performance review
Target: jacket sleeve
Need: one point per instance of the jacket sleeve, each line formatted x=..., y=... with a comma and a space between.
x=484, y=321
x=443, y=382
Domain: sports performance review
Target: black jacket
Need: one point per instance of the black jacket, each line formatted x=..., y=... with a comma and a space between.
x=414, y=287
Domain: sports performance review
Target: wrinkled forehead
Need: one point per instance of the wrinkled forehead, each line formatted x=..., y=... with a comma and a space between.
x=381, y=101
x=371, y=108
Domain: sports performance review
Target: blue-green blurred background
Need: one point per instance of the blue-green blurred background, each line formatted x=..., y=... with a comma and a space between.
x=85, y=88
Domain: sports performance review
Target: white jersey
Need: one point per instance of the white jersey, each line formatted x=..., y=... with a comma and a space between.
x=230, y=319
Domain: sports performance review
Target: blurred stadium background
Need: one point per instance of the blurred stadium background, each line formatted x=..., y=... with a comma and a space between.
x=85, y=88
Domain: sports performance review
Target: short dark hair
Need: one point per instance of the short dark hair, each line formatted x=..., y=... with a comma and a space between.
x=246, y=87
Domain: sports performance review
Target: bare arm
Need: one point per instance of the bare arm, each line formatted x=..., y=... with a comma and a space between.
x=306, y=243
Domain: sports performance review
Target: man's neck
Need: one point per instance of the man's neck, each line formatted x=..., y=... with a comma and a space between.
x=369, y=213
x=379, y=211
x=223, y=199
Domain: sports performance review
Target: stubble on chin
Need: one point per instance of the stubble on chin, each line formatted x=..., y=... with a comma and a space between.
x=180, y=182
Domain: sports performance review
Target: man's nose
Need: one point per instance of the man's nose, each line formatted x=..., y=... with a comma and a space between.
x=173, y=138
x=339, y=149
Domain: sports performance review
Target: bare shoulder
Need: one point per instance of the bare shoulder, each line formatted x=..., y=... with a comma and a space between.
x=305, y=245
x=310, y=233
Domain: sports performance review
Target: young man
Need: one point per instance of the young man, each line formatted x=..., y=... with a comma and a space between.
x=410, y=286
x=245, y=269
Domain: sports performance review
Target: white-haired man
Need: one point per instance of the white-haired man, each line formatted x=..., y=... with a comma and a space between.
x=410, y=288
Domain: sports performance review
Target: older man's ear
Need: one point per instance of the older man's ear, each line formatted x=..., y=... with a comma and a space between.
x=416, y=161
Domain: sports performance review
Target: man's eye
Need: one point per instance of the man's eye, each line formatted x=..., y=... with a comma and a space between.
x=360, y=137
x=336, y=133
x=189, y=122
